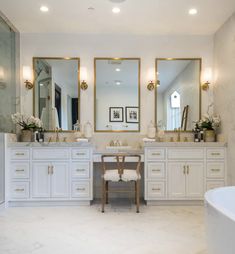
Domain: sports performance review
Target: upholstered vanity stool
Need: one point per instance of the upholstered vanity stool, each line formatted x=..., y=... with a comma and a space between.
x=120, y=174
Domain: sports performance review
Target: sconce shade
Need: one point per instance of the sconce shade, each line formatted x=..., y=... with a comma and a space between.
x=83, y=77
x=207, y=79
x=27, y=76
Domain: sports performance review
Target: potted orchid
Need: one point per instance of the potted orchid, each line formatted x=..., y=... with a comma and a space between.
x=28, y=125
x=209, y=124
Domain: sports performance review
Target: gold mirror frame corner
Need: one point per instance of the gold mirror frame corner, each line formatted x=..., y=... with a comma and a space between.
x=200, y=90
x=79, y=93
x=139, y=97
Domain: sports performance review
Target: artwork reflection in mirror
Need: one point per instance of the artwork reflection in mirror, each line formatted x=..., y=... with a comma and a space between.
x=178, y=93
x=56, y=92
x=117, y=94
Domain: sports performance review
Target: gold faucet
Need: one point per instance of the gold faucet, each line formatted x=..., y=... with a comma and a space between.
x=57, y=134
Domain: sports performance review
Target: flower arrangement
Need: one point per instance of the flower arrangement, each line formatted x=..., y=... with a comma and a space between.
x=209, y=122
x=26, y=122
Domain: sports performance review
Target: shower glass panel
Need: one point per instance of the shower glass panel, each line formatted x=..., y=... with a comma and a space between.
x=7, y=77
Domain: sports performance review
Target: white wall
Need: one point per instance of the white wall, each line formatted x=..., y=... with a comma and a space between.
x=224, y=87
x=89, y=46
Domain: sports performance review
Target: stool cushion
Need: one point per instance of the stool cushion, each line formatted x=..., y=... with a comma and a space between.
x=130, y=175
x=112, y=175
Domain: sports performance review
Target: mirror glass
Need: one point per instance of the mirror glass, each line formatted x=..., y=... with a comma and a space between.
x=117, y=94
x=178, y=93
x=56, y=92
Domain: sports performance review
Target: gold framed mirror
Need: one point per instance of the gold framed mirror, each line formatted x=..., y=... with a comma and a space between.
x=56, y=95
x=177, y=93
x=117, y=94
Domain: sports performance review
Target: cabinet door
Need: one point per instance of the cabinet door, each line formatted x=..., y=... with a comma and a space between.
x=194, y=180
x=60, y=180
x=176, y=171
x=41, y=180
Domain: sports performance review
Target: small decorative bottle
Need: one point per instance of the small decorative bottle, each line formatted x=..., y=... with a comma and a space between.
x=151, y=130
x=88, y=130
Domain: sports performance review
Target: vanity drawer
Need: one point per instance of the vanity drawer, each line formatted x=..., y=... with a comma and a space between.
x=214, y=153
x=20, y=190
x=210, y=185
x=156, y=190
x=156, y=170
x=80, y=170
x=215, y=170
x=81, y=189
x=81, y=154
x=19, y=170
x=20, y=154
x=50, y=154
x=156, y=154
x=185, y=153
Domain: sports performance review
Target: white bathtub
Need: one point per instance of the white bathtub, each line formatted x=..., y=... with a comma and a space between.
x=220, y=218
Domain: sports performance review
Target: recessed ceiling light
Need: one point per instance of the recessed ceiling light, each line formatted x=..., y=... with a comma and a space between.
x=117, y=69
x=91, y=8
x=118, y=82
x=44, y=8
x=192, y=11
x=116, y=10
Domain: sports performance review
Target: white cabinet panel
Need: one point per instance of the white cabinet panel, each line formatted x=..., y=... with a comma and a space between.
x=59, y=180
x=41, y=180
x=19, y=170
x=156, y=170
x=215, y=169
x=50, y=154
x=80, y=169
x=185, y=153
x=156, y=190
x=20, y=154
x=214, y=184
x=176, y=181
x=155, y=154
x=194, y=180
x=81, y=154
x=19, y=190
x=81, y=189
x=215, y=153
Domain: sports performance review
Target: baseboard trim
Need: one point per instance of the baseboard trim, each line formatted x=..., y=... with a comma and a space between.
x=175, y=203
x=47, y=203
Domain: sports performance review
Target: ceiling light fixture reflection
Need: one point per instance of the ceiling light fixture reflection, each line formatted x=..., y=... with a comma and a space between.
x=116, y=10
x=44, y=8
x=117, y=69
x=192, y=11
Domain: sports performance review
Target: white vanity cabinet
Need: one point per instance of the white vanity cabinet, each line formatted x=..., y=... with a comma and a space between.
x=183, y=171
x=48, y=173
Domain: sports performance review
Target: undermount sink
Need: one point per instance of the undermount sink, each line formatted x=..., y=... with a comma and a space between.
x=119, y=147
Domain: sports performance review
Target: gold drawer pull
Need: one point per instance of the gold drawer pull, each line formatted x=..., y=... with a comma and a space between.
x=156, y=189
x=19, y=154
x=80, y=154
x=156, y=170
x=19, y=190
x=19, y=170
x=80, y=189
x=184, y=169
x=187, y=170
x=215, y=169
x=156, y=154
x=215, y=153
x=80, y=170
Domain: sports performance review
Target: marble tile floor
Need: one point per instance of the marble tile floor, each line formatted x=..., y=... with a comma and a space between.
x=85, y=230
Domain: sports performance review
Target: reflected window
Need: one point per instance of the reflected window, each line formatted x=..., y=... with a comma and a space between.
x=175, y=100
x=174, y=115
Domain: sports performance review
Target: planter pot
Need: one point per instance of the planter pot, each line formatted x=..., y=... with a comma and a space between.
x=26, y=136
x=209, y=136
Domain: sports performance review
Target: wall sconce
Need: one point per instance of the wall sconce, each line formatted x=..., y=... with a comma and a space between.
x=27, y=76
x=2, y=79
x=83, y=76
x=151, y=85
x=207, y=79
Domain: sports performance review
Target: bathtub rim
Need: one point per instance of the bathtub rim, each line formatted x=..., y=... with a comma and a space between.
x=220, y=209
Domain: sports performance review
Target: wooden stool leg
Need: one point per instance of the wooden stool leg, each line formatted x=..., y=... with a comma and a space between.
x=138, y=196
x=106, y=190
x=135, y=192
x=103, y=195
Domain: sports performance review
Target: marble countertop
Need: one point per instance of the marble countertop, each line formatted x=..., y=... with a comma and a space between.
x=185, y=144
x=50, y=144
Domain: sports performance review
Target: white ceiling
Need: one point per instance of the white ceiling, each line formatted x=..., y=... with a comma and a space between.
x=136, y=16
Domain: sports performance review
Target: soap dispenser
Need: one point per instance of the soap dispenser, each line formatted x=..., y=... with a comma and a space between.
x=151, y=130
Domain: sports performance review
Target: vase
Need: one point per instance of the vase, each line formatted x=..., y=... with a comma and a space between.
x=26, y=136
x=209, y=136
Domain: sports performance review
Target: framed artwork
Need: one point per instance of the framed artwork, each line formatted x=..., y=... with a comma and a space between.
x=115, y=114
x=132, y=114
